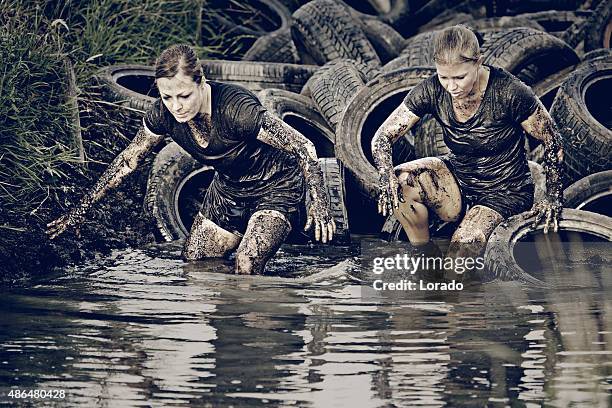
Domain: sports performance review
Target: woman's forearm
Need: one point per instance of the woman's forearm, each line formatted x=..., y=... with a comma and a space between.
x=125, y=163
x=394, y=127
x=277, y=133
x=541, y=126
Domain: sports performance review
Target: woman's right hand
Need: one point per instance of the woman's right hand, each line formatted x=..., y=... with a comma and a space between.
x=71, y=219
x=390, y=195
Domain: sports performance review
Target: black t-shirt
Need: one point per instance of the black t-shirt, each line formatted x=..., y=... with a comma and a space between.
x=233, y=150
x=487, y=151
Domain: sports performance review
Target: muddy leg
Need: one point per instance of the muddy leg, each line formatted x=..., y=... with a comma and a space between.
x=426, y=184
x=208, y=240
x=266, y=231
x=470, y=239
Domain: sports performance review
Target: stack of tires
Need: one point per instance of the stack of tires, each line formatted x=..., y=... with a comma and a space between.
x=335, y=69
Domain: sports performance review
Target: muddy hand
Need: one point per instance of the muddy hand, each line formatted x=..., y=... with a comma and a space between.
x=324, y=225
x=390, y=196
x=549, y=211
x=57, y=227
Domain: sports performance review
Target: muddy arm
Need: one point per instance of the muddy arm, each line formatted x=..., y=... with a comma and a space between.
x=277, y=133
x=125, y=163
x=541, y=126
x=396, y=125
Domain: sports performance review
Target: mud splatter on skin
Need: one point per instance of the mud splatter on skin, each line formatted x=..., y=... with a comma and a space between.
x=466, y=107
x=277, y=133
x=125, y=163
x=200, y=128
x=208, y=240
x=422, y=184
x=266, y=231
x=397, y=124
x=541, y=126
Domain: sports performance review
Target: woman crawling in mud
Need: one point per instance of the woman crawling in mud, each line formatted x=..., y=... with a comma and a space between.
x=483, y=111
x=263, y=166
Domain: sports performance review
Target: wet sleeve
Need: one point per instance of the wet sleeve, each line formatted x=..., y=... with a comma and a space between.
x=419, y=100
x=154, y=119
x=245, y=113
x=523, y=101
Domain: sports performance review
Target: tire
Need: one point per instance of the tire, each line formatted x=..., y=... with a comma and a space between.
x=529, y=54
x=546, y=89
x=591, y=193
x=598, y=30
x=333, y=85
x=324, y=30
x=500, y=263
x=390, y=12
x=554, y=21
x=333, y=174
x=134, y=85
x=429, y=138
x=387, y=42
x=392, y=230
x=598, y=53
x=481, y=24
x=241, y=23
x=275, y=47
x=129, y=85
x=418, y=52
x=256, y=76
x=171, y=170
x=513, y=7
x=408, y=20
x=367, y=104
x=302, y=114
x=580, y=110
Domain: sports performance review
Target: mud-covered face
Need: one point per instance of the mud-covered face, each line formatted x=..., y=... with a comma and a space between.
x=459, y=79
x=182, y=96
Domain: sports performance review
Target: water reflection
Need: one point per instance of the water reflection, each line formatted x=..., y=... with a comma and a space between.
x=144, y=328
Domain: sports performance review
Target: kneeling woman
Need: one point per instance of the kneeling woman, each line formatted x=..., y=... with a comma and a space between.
x=483, y=111
x=263, y=166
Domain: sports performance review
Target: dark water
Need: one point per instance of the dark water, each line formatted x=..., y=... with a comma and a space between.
x=141, y=328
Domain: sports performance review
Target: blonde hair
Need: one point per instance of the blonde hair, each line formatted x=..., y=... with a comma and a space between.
x=456, y=44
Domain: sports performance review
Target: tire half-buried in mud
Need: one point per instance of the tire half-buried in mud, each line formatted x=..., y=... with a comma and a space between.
x=591, y=193
x=177, y=185
x=365, y=112
x=581, y=111
x=500, y=258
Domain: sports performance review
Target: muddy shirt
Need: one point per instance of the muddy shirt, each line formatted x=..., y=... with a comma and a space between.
x=487, y=152
x=244, y=164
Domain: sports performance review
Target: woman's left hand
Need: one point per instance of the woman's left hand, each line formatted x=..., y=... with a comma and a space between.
x=549, y=210
x=320, y=215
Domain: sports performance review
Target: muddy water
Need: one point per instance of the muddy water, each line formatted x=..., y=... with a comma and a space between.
x=142, y=328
